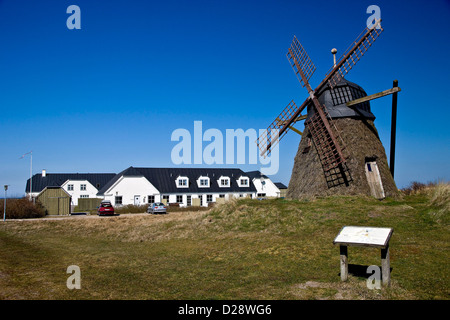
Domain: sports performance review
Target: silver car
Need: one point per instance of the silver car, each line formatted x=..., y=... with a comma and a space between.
x=157, y=207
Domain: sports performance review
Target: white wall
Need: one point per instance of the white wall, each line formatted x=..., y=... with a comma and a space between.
x=269, y=188
x=90, y=191
x=129, y=188
x=204, y=203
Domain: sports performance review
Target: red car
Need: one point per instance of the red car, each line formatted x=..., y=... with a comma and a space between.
x=105, y=208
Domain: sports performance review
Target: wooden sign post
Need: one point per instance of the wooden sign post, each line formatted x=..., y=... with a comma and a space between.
x=365, y=237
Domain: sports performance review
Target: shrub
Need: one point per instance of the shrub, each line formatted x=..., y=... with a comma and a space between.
x=419, y=188
x=22, y=209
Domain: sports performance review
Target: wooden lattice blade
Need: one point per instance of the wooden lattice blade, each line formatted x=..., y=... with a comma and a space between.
x=351, y=56
x=281, y=125
x=327, y=142
x=300, y=61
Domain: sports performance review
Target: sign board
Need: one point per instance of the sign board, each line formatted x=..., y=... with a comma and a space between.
x=364, y=236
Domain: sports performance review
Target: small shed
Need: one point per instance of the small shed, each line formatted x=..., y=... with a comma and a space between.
x=282, y=188
x=55, y=200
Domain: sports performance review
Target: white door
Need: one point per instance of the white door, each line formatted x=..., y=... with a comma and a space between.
x=374, y=180
x=137, y=200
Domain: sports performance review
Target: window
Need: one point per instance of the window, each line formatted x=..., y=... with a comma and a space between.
x=341, y=95
x=261, y=195
x=70, y=187
x=221, y=195
x=151, y=199
x=203, y=182
x=179, y=198
x=82, y=187
x=223, y=182
x=166, y=197
x=182, y=182
x=209, y=198
x=84, y=196
x=243, y=182
x=118, y=200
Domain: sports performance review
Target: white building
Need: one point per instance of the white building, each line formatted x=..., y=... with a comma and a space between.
x=176, y=185
x=265, y=188
x=183, y=186
x=77, y=185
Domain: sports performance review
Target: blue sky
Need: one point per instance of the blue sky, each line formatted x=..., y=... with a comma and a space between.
x=110, y=95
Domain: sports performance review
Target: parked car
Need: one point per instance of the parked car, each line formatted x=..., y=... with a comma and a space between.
x=157, y=207
x=105, y=208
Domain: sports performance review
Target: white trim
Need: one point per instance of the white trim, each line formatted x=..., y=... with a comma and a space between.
x=219, y=182
x=182, y=178
x=203, y=178
x=243, y=178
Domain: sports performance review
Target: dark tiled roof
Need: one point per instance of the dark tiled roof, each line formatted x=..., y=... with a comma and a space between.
x=98, y=180
x=256, y=174
x=280, y=185
x=164, y=179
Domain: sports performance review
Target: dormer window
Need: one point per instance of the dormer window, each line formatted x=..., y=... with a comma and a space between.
x=182, y=182
x=243, y=182
x=203, y=182
x=224, y=182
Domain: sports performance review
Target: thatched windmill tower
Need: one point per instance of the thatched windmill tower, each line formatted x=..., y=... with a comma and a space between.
x=340, y=151
x=365, y=170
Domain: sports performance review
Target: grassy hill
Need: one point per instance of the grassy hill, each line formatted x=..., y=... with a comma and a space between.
x=244, y=249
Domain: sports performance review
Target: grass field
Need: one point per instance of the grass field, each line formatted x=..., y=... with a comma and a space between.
x=245, y=249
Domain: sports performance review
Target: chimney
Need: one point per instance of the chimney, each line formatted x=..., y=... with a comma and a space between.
x=44, y=173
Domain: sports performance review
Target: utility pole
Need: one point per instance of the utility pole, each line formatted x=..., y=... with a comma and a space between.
x=393, y=129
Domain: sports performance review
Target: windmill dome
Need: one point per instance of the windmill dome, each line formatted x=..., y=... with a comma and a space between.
x=335, y=101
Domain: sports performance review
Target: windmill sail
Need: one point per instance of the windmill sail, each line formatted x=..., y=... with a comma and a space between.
x=300, y=62
x=304, y=69
x=353, y=54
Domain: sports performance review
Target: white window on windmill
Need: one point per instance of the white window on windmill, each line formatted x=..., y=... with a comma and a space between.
x=374, y=178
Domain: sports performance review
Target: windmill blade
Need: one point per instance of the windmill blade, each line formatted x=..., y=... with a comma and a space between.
x=352, y=55
x=326, y=137
x=279, y=127
x=300, y=62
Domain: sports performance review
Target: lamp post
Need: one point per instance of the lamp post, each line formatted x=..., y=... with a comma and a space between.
x=4, y=204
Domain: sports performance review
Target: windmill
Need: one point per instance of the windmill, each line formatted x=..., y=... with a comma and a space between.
x=329, y=159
